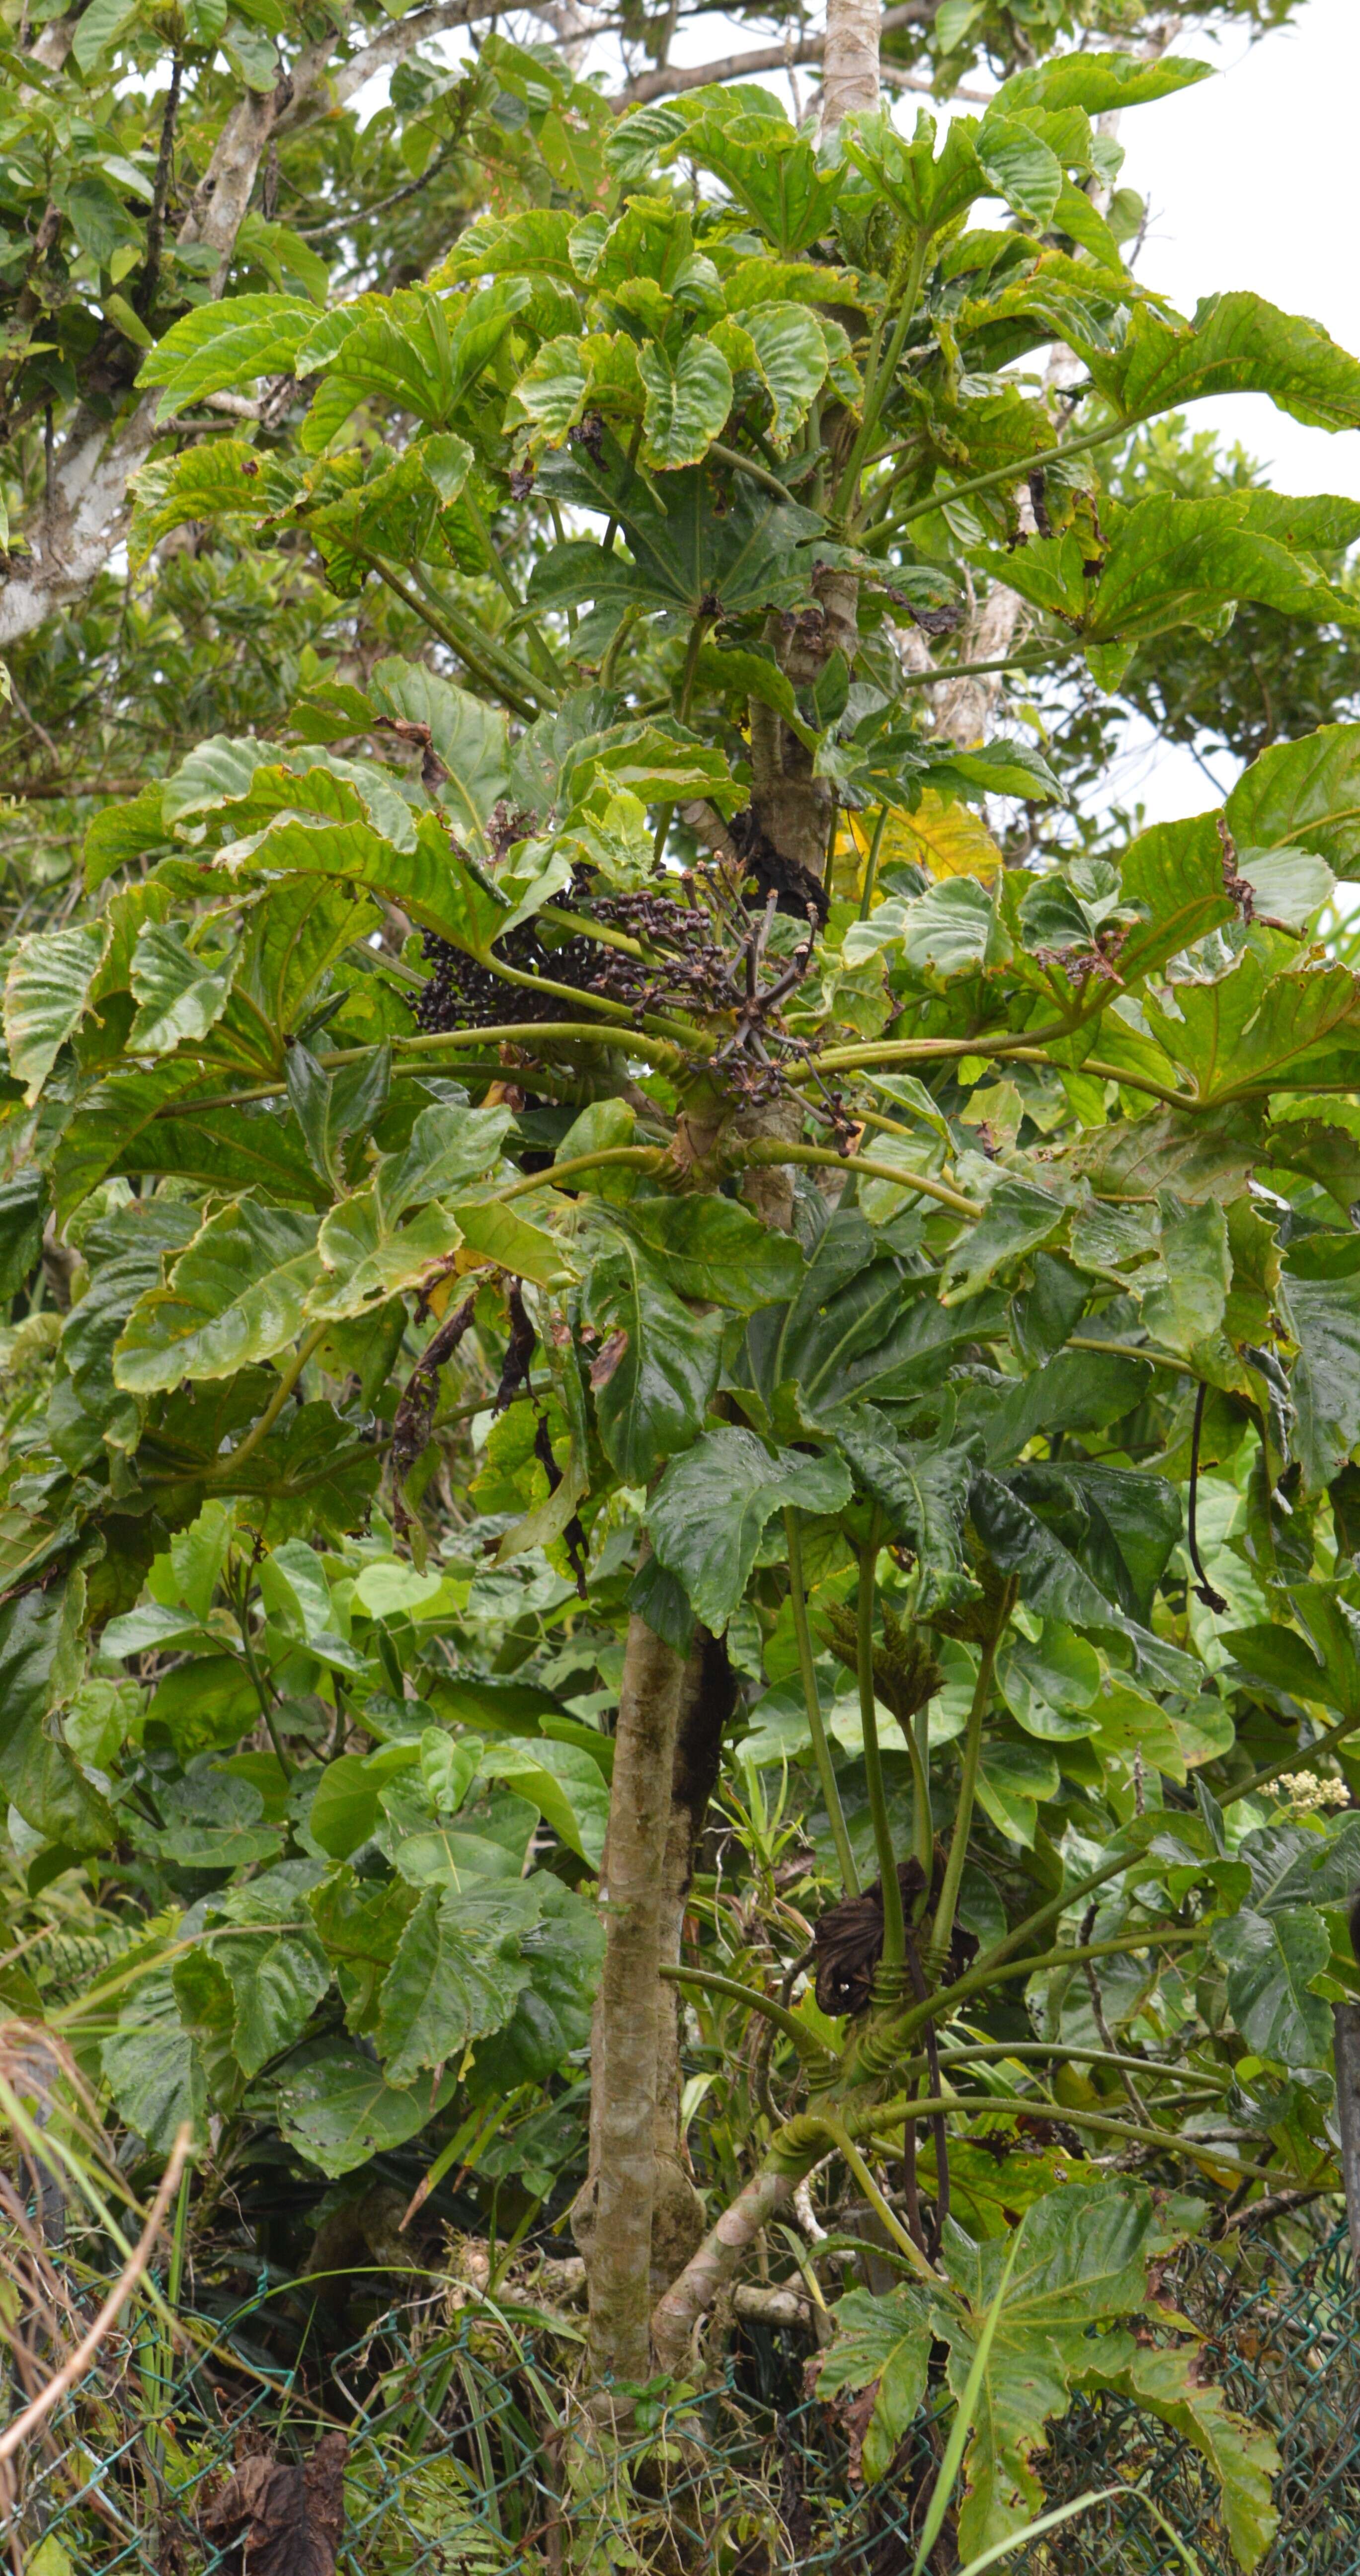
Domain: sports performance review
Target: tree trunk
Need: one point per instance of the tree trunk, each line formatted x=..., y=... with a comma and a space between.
x=612, y=2217
x=708, y=1695
x=850, y=63
x=638, y=2220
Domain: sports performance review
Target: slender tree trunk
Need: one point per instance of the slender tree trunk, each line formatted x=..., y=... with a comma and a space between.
x=612, y=2218
x=850, y=63
x=639, y=2219
x=708, y=1695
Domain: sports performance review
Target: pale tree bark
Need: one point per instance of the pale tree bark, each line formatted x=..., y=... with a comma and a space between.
x=71, y=542
x=668, y=81
x=850, y=80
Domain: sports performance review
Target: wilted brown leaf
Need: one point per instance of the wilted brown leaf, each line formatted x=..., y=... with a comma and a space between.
x=286, y=2516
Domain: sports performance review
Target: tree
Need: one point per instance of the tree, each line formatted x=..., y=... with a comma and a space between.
x=576, y=994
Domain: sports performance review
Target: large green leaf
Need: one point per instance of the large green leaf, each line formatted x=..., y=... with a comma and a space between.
x=1188, y=1309
x=151, y=2066
x=1301, y=795
x=1102, y=84
x=565, y=1783
x=468, y=736
x=368, y=1249
x=1081, y=2260
x=687, y=554
x=339, y=2110
x=769, y=168
x=883, y=2345
x=688, y=400
x=219, y=345
x=1241, y=2453
x=178, y=994
x=1273, y=1961
x=713, y=1249
x=41, y=1659
x=277, y=1970
x=657, y=1367
x=457, y=1974
x=235, y=1296
x=924, y=1492
x=1018, y=1217
x=46, y=993
x=790, y=353
x=1055, y=1583
x=861, y=1325
x=1236, y=344
x=552, y=2014
x=1324, y=1317
x=709, y=1512
x=1019, y=166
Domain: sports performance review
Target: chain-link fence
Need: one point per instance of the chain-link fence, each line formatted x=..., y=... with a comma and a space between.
x=458, y=2463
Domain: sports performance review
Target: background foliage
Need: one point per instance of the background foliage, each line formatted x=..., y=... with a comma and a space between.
x=631, y=1212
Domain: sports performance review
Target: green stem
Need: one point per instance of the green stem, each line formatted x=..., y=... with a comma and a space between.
x=826, y=1769
x=261, y=1429
x=816, y=1157
x=261, y=1689
x=871, y=863
x=943, y=1929
x=692, y=650
x=440, y=624
x=894, y=1934
x=974, y=670
x=747, y=465
x=982, y=2052
x=616, y=643
x=555, y=671
x=889, y=2114
x=880, y=385
x=634, y=1158
x=177, y=2240
x=886, y=2217
x=1016, y=473
x=980, y=1977
x=922, y=1823
x=804, y=2040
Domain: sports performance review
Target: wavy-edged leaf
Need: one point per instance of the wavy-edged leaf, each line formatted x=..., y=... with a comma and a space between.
x=713, y=1249
x=338, y=2109
x=924, y=1492
x=178, y=994
x=468, y=736
x=1236, y=344
x=47, y=991
x=237, y=1295
x=225, y=344
x=1324, y=1317
x=688, y=400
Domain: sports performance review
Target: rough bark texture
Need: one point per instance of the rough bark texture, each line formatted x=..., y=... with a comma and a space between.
x=708, y=1695
x=850, y=63
x=680, y=2308
x=612, y=2217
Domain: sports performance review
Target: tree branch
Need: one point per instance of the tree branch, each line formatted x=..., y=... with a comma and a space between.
x=668, y=82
